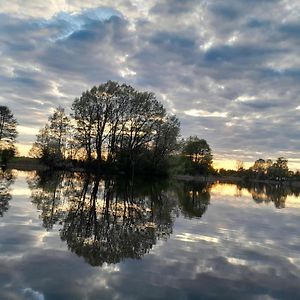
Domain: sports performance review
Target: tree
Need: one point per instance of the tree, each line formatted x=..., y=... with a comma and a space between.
x=279, y=169
x=259, y=166
x=96, y=117
x=51, y=143
x=121, y=126
x=165, y=141
x=198, y=154
x=8, y=132
x=239, y=165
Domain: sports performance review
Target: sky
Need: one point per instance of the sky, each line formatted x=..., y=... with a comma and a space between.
x=229, y=70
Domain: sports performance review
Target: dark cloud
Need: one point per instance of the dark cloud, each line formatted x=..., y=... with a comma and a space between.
x=226, y=12
x=290, y=30
x=174, y=7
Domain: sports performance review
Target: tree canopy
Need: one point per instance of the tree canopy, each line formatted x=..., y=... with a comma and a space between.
x=8, y=133
x=198, y=156
x=51, y=142
x=113, y=125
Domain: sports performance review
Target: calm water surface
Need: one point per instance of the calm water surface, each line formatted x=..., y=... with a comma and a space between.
x=69, y=236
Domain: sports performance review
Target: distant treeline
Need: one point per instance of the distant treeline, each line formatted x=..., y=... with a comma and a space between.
x=264, y=169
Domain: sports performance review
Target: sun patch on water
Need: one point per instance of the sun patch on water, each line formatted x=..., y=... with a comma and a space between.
x=237, y=261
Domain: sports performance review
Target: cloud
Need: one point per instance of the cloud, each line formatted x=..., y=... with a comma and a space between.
x=34, y=295
x=205, y=114
x=234, y=249
x=197, y=56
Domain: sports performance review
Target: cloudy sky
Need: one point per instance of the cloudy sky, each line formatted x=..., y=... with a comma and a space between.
x=228, y=69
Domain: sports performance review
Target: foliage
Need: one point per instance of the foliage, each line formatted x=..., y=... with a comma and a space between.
x=51, y=142
x=198, y=156
x=119, y=126
x=265, y=170
x=8, y=134
x=7, y=153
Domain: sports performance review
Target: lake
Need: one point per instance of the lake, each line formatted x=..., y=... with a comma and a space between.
x=74, y=236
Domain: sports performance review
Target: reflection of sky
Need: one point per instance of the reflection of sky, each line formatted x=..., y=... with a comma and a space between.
x=237, y=250
x=231, y=192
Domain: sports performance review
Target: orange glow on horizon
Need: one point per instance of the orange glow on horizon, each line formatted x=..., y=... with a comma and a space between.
x=227, y=164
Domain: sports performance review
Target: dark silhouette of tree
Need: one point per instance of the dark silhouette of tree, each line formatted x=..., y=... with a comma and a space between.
x=51, y=142
x=7, y=178
x=266, y=169
x=122, y=126
x=198, y=156
x=259, y=168
x=279, y=170
x=8, y=134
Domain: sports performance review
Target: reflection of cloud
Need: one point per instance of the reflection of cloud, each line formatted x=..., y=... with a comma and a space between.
x=237, y=250
x=194, y=238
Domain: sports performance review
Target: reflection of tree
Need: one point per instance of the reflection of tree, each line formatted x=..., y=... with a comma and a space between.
x=194, y=198
x=276, y=193
x=104, y=220
x=47, y=193
x=6, y=179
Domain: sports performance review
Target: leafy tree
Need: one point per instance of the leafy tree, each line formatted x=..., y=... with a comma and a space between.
x=198, y=154
x=165, y=140
x=115, y=127
x=279, y=169
x=93, y=113
x=119, y=125
x=51, y=142
x=259, y=166
x=7, y=153
x=8, y=133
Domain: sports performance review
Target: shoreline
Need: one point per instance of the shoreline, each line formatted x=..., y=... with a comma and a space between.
x=234, y=180
x=33, y=164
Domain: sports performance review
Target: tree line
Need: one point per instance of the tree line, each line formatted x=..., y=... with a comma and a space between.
x=264, y=169
x=114, y=127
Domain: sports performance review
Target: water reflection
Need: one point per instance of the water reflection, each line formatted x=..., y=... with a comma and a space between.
x=268, y=193
x=108, y=220
x=193, y=198
x=239, y=249
x=7, y=178
x=104, y=220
